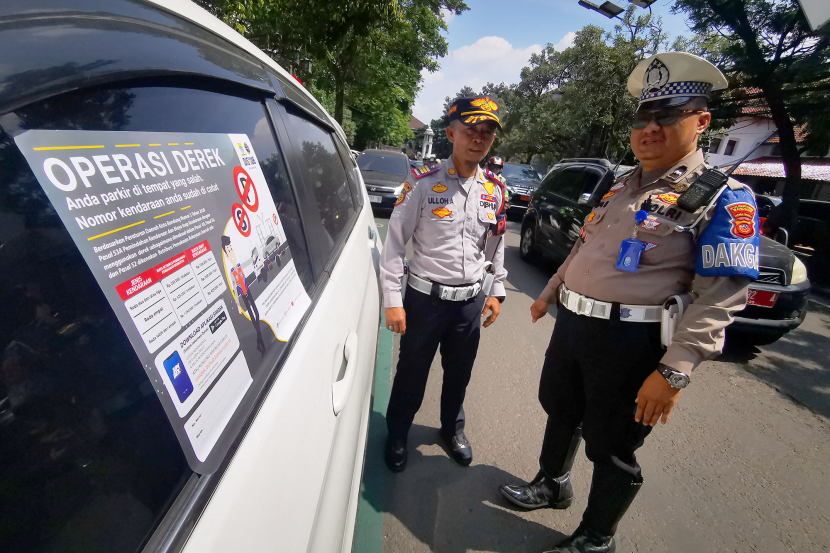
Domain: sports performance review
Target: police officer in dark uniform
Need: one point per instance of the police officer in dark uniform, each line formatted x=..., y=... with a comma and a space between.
x=648, y=259
x=454, y=214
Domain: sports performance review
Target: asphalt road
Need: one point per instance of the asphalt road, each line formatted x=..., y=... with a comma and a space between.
x=742, y=466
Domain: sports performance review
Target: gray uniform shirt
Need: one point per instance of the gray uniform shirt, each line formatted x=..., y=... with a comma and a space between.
x=448, y=219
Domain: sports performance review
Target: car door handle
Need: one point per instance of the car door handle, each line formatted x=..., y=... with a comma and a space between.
x=342, y=388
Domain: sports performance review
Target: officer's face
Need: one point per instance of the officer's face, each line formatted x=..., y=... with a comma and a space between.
x=231, y=254
x=471, y=144
x=661, y=147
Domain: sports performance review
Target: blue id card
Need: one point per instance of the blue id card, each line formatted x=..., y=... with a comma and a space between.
x=630, y=252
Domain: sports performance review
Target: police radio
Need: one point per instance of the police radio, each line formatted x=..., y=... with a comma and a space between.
x=703, y=190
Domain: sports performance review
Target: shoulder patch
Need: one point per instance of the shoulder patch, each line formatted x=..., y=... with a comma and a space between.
x=425, y=170
x=730, y=245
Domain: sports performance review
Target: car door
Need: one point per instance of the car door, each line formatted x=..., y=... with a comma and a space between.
x=345, y=231
x=565, y=191
x=547, y=204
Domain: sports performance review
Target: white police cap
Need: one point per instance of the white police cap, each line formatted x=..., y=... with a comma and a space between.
x=674, y=76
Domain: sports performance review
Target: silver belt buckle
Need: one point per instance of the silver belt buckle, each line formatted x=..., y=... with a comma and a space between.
x=587, y=308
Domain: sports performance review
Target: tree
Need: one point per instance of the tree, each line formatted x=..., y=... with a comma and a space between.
x=575, y=103
x=767, y=45
x=366, y=55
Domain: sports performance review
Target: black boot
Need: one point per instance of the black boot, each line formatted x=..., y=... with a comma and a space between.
x=612, y=492
x=542, y=491
x=556, y=491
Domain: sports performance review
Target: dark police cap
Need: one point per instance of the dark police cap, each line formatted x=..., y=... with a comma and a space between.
x=472, y=111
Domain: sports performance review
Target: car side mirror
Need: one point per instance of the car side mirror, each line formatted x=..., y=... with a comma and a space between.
x=782, y=236
x=592, y=198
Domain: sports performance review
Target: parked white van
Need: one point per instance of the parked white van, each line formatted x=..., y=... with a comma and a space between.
x=155, y=395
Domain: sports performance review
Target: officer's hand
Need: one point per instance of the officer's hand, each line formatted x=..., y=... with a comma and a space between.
x=494, y=306
x=396, y=318
x=538, y=309
x=655, y=399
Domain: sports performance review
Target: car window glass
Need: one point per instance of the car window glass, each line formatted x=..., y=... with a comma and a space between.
x=88, y=458
x=570, y=184
x=521, y=173
x=383, y=163
x=323, y=173
x=591, y=181
x=550, y=180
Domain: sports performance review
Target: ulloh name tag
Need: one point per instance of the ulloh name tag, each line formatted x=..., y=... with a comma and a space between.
x=630, y=252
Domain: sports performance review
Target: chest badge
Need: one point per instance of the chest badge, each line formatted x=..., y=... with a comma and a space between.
x=439, y=188
x=590, y=217
x=451, y=171
x=488, y=186
x=490, y=216
x=670, y=199
x=650, y=224
x=441, y=212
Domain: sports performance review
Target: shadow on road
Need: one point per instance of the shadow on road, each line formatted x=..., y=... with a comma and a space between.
x=451, y=509
x=796, y=365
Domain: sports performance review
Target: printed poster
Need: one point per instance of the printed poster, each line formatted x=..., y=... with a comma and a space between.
x=184, y=238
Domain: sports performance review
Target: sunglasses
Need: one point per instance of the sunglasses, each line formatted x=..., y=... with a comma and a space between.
x=664, y=118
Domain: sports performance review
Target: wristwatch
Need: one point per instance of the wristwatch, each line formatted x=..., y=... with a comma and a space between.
x=675, y=378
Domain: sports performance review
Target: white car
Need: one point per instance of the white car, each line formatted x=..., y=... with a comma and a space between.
x=153, y=395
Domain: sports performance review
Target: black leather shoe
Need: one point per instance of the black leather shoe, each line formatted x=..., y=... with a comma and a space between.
x=459, y=447
x=585, y=540
x=555, y=493
x=396, y=454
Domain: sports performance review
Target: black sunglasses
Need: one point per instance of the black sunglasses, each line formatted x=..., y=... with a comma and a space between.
x=664, y=118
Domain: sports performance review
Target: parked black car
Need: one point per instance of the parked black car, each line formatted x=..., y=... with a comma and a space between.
x=557, y=210
x=811, y=238
x=522, y=180
x=384, y=172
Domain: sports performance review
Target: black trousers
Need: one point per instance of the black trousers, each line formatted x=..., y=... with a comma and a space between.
x=431, y=322
x=593, y=371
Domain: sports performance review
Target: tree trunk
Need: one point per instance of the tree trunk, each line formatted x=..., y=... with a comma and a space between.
x=788, y=214
x=339, y=97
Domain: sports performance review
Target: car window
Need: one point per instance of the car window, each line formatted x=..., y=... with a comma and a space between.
x=526, y=174
x=383, y=163
x=570, y=183
x=323, y=173
x=550, y=180
x=89, y=460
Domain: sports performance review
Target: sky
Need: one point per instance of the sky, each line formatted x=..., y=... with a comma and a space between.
x=493, y=41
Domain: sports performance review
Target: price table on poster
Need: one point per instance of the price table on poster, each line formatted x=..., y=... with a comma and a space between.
x=164, y=299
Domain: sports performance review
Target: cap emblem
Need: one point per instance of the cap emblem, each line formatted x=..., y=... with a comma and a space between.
x=485, y=104
x=656, y=77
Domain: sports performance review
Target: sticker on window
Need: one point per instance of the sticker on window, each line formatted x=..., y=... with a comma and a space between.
x=184, y=238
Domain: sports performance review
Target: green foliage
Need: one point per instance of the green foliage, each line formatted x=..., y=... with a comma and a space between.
x=769, y=53
x=575, y=103
x=365, y=56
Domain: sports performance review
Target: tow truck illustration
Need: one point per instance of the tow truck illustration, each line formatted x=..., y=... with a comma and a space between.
x=272, y=250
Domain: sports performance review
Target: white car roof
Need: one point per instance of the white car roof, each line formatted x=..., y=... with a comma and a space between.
x=190, y=11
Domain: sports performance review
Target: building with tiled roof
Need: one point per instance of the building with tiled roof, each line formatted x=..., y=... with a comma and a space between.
x=764, y=170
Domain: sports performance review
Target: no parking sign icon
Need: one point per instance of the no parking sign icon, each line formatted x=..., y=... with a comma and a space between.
x=241, y=220
x=245, y=188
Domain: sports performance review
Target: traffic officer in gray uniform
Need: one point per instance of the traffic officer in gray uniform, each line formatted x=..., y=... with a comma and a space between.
x=454, y=215
x=661, y=266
